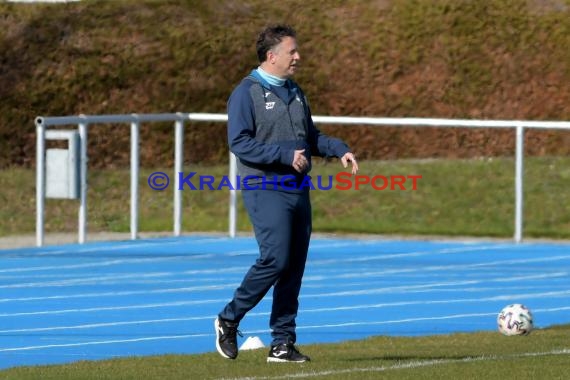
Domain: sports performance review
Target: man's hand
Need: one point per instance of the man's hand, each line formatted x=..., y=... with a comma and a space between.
x=300, y=162
x=349, y=157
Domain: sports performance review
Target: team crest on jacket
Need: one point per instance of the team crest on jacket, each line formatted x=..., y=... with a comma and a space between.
x=269, y=105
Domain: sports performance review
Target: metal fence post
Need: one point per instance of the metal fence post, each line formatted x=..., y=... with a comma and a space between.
x=135, y=127
x=82, y=231
x=519, y=179
x=40, y=181
x=178, y=163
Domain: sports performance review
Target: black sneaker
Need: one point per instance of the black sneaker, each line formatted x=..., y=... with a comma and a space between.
x=286, y=353
x=226, y=338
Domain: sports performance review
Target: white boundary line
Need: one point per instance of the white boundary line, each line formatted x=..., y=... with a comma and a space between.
x=408, y=365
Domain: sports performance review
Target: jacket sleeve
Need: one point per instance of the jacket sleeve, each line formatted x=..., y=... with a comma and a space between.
x=241, y=132
x=321, y=144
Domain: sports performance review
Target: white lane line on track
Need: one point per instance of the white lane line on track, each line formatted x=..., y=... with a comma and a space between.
x=258, y=314
x=391, y=289
x=94, y=343
x=115, y=278
x=504, y=297
x=502, y=263
x=210, y=255
x=108, y=324
x=117, y=246
x=542, y=296
x=94, y=264
x=110, y=247
x=431, y=286
x=309, y=264
x=390, y=256
x=115, y=308
x=124, y=293
x=302, y=327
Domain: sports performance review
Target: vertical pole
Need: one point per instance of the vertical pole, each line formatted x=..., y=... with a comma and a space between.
x=134, y=178
x=83, y=183
x=178, y=161
x=519, y=183
x=40, y=181
x=233, y=196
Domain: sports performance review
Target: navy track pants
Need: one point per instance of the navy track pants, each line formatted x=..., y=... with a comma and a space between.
x=282, y=223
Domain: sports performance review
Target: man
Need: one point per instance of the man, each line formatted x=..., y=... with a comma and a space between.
x=271, y=132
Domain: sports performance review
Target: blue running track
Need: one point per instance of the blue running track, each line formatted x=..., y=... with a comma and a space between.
x=60, y=304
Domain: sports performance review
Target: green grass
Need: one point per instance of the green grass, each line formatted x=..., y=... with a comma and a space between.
x=453, y=198
x=483, y=355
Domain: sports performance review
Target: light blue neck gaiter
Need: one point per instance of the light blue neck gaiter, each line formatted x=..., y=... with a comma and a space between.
x=271, y=79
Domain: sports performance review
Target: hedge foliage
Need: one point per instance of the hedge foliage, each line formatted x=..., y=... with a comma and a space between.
x=493, y=59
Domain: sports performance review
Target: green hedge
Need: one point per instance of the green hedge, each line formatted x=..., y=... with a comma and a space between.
x=499, y=59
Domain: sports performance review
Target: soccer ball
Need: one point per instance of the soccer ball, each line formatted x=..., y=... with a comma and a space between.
x=515, y=319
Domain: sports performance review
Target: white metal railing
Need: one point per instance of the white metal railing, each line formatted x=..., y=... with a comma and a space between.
x=82, y=121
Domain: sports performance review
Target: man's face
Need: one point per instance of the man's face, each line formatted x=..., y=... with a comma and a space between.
x=284, y=58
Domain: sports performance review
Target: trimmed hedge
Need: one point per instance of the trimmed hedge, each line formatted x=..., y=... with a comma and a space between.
x=494, y=59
